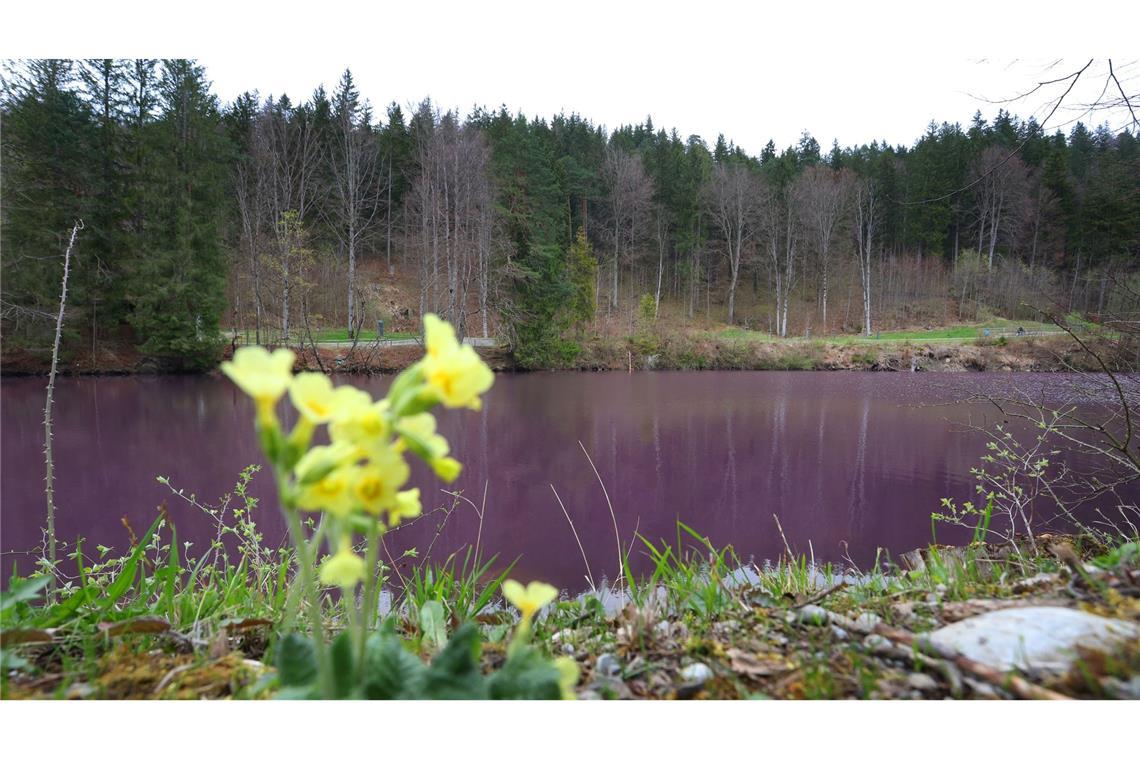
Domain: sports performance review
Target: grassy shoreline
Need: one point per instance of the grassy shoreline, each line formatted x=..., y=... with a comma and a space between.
x=703, y=624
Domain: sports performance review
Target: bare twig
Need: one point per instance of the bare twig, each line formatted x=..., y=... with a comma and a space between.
x=49, y=464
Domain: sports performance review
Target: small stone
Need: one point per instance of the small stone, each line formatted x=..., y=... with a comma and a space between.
x=1120, y=689
x=80, y=691
x=876, y=643
x=981, y=689
x=608, y=666
x=868, y=620
x=810, y=614
x=838, y=633
x=697, y=673
x=567, y=649
x=921, y=681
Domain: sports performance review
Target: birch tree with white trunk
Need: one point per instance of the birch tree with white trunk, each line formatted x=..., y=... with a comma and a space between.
x=866, y=206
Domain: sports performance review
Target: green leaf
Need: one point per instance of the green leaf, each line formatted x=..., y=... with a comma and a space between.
x=296, y=661
x=343, y=665
x=433, y=624
x=23, y=591
x=126, y=577
x=454, y=673
x=527, y=675
x=390, y=671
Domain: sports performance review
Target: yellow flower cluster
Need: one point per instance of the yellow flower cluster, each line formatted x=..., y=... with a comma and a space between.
x=361, y=471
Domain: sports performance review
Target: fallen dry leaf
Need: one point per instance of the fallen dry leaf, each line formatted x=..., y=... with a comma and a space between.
x=748, y=664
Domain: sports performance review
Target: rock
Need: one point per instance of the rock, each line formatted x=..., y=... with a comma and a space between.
x=868, y=620
x=981, y=689
x=608, y=666
x=604, y=687
x=838, y=633
x=1039, y=639
x=876, y=643
x=810, y=614
x=904, y=612
x=567, y=649
x=921, y=681
x=697, y=673
x=1120, y=689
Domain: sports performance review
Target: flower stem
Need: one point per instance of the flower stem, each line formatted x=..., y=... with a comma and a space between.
x=305, y=570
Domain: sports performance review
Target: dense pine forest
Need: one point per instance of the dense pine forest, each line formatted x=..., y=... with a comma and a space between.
x=271, y=217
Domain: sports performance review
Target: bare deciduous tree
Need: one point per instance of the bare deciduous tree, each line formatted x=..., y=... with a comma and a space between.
x=452, y=200
x=630, y=198
x=357, y=181
x=1000, y=198
x=734, y=197
x=821, y=195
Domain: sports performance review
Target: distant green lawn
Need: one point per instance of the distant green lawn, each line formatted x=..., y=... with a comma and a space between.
x=366, y=336
x=957, y=332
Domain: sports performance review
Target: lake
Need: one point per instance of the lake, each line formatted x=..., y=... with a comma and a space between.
x=847, y=462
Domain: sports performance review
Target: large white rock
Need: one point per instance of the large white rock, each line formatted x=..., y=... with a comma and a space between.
x=1033, y=638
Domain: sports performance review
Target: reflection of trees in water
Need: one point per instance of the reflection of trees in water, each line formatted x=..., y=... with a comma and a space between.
x=729, y=490
x=817, y=507
x=856, y=505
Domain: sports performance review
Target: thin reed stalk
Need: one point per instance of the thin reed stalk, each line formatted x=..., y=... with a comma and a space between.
x=589, y=572
x=617, y=534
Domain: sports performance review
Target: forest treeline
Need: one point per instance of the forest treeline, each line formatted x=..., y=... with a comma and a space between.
x=272, y=216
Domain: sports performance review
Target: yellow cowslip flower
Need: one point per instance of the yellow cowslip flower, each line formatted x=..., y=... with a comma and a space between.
x=313, y=395
x=344, y=569
x=406, y=507
x=439, y=336
x=264, y=376
x=420, y=428
x=374, y=484
x=454, y=373
x=446, y=468
x=332, y=493
x=417, y=431
x=321, y=460
x=567, y=676
x=457, y=379
x=364, y=425
x=531, y=599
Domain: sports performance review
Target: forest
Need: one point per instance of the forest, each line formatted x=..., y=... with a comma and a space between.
x=270, y=216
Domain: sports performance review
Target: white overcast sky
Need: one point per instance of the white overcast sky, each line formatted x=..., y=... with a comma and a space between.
x=852, y=71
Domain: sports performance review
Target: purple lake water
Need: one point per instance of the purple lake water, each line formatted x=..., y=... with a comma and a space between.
x=848, y=461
